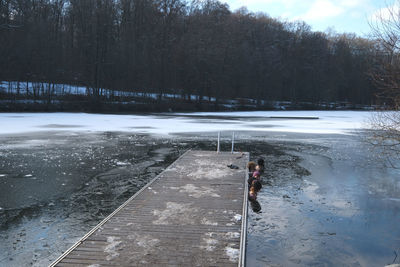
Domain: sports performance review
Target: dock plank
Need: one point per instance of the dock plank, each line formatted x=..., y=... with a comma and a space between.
x=191, y=215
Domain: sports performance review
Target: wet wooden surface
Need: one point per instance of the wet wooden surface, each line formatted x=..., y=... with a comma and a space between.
x=190, y=215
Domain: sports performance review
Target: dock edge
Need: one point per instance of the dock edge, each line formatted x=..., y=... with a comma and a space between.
x=54, y=263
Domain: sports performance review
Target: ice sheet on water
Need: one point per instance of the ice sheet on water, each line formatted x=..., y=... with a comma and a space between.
x=237, y=217
x=329, y=122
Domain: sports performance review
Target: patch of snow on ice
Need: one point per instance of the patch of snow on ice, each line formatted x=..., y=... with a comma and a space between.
x=120, y=163
x=340, y=122
x=144, y=241
x=210, y=244
x=175, y=213
x=209, y=170
x=147, y=241
x=232, y=235
x=111, y=247
x=232, y=253
x=202, y=155
x=198, y=192
x=207, y=222
x=237, y=217
x=207, y=174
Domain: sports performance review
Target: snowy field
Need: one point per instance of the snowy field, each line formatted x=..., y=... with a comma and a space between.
x=328, y=122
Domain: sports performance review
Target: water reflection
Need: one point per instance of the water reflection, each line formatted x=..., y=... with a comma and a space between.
x=344, y=213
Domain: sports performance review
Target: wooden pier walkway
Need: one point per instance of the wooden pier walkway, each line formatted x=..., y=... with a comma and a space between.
x=193, y=214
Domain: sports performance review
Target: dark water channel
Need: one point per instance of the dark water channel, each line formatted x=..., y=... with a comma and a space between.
x=326, y=200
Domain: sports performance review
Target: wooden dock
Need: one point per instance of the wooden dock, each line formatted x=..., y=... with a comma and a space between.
x=193, y=214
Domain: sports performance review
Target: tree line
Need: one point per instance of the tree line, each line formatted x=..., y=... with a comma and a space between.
x=174, y=46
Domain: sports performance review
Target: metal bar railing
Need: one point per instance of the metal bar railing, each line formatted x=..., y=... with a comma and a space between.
x=219, y=142
x=233, y=141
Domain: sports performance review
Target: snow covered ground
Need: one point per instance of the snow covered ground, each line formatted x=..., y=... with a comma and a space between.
x=328, y=122
x=28, y=88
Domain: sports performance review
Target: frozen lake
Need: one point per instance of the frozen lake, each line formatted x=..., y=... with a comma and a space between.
x=166, y=124
x=327, y=199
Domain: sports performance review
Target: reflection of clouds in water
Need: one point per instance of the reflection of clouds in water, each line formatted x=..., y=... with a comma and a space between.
x=296, y=235
x=310, y=190
x=275, y=215
x=284, y=230
x=340, y=204
x=393, y=199
x=385, y=184
x=344, y=214
x=332, y=201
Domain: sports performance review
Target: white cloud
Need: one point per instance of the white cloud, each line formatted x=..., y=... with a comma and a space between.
x=262, y=5
x=286, y=3
x=322, y=9
x=352, y=3
x=305, y=9
x=385, y=13
x=319, y=10
x=347, y=15
x=357, y=14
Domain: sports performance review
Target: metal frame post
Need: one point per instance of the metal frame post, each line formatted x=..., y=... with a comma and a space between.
x=219, y=136
x=233, y=141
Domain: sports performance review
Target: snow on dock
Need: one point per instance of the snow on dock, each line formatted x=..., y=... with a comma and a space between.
x=193, y=214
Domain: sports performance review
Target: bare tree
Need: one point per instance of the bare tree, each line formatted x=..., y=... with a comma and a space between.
x=386, y=30
x=386, y=75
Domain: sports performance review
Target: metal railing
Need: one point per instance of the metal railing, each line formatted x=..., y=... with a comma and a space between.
x=219, y=142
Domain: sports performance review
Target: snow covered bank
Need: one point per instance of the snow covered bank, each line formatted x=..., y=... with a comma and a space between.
x=329, y=122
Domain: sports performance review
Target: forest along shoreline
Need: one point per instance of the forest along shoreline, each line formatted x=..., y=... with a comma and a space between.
x=174, y=55
x=23, y=96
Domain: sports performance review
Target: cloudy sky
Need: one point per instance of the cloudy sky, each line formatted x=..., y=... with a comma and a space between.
x=340, y=15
